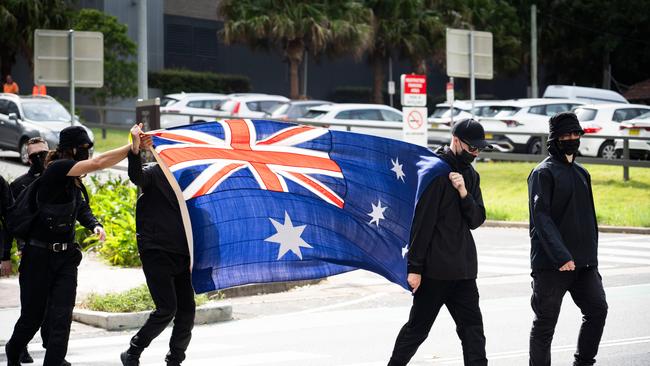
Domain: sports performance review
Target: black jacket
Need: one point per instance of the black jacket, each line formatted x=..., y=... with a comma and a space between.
x=442, y=246
x=563, y=223
x=6, y=200
x=158, y=216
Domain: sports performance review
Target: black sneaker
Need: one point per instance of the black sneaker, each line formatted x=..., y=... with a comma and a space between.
x=25, y=357
x=129, y=359
x=65, y=363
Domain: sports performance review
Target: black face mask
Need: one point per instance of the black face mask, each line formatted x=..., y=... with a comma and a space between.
x=465, y=157
x=81, y=154
x=37, y=162
x=568, y=147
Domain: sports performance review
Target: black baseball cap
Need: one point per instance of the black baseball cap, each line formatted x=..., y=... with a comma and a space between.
x=470, y=132
x=74, y=136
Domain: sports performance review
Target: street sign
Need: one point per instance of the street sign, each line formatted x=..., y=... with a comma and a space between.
x=450, y=93
x=414, y=90
x=415, y=125
x=52, y=58
x=391, y=87
x=459, y=47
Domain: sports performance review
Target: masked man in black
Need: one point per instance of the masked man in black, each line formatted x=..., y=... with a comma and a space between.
x=165, y=260
x=564, y=245
x=442, y=260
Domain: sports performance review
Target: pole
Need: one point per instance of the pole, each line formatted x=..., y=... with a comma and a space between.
x=390, y=77
x=451, y=106
x=71, y=60
x=533, y=52
x=143, y=82
x=472, y=80
x=304, y=76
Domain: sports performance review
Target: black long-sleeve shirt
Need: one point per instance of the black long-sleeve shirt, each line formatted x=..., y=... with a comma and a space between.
x=159, y=224
x=442, y=246
x=563, y=224
x=6, y=200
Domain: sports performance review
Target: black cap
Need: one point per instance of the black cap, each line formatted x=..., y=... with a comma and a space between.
x=73, y=136
x=563, y=123
x=470, y=132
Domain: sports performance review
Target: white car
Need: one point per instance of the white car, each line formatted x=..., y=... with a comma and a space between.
x=525, y=116
x=640, y=126
x=605, y=120
x=350, y=112
x=176, y=108
x=250, y=105
x=442, y=116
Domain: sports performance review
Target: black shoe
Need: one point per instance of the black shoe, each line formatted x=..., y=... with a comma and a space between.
x=172, y=362
x=25, y=357
x=129, y=359
x=65, y=363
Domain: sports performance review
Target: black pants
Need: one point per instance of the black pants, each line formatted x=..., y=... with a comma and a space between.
x=48, y=281
x=586, y=288
x=170, y=283
x=461, y=298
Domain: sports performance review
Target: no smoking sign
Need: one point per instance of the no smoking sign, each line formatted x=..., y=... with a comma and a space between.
x=415, y=127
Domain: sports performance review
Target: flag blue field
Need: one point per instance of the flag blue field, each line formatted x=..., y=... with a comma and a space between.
x=269, y=201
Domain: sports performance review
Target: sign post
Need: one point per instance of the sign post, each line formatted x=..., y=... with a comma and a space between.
x=450, y=99
x=414, y=108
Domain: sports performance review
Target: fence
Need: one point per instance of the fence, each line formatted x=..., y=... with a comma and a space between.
x=624, y=162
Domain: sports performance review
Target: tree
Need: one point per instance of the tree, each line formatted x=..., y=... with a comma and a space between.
x=19, y=19
x=408, y=27
x=296, y=26
x=120, y=71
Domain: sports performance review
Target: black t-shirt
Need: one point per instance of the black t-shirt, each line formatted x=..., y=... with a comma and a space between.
x=56, y=187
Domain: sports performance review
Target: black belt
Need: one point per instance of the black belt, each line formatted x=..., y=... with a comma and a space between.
x=55, y=247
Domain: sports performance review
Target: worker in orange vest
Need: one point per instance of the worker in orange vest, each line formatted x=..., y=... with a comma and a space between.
x=39, y=90
x=10, y=86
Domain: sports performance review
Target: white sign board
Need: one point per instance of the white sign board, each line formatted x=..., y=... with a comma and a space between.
x=52, y=57
x=414, y=90
x=415, y=125
x=450, y=93
x=458, y=50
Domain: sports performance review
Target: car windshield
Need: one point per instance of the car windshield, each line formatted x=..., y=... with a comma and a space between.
x=443, y=112
x=279, y=109
x=314, y=113
x=45, y=111
x=585, y=114
x=167, y=101
x=644, y=116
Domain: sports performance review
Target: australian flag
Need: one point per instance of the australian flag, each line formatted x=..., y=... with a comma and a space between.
x=270, y=201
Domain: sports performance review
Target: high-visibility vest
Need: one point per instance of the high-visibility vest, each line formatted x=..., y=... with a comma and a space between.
x=39, y=90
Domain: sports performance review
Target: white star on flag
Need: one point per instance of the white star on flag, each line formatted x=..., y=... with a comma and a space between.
x=404, y=251
x=397, y=168
x=288, y=236
x=377, y=213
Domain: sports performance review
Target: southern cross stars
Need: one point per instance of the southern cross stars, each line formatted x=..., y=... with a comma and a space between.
x=288, y=236
x=397, y=168
x=377, y=213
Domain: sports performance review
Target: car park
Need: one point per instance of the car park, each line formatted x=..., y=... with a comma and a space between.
x=524, y=116
x=294, y=109
x=637, y=127
x=250, y=105
x=604, y=120
x=359, y=113
x=24, y=117
x=180, y=109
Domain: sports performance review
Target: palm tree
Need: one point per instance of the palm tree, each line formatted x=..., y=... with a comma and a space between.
x=332, y=27
x=411, y=28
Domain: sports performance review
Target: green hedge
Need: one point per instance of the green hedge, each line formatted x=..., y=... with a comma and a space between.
x=179, y=80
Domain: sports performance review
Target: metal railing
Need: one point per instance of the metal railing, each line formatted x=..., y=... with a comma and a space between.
x=624, y=162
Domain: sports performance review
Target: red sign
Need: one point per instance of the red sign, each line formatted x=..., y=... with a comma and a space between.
x=415, y=84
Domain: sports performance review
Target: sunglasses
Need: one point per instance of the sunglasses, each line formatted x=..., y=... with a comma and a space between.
x=471, y=148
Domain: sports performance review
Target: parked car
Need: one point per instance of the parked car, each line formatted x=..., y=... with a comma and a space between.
x=584, y=94
x=293, y=109
x=640, y=126
x=350, y=112
x=604, y=120
x=24, y=117
x=442, y=116
x=250, y=105
x=175, y=107
x=526, y=116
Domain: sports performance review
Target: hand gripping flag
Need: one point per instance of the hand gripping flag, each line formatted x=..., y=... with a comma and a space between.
x=266, y=201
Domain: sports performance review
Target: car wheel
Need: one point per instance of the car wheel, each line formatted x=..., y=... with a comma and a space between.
x=534, y=146
x=22, y=149
x=607, y=150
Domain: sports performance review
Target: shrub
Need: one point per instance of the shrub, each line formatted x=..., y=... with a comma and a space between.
x=113, y=203
x=130, y=301
x=179, y=80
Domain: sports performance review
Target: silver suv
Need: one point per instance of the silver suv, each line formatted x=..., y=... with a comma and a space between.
x=24, y=117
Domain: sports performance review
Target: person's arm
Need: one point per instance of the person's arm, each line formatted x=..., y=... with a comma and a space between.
x=472, y=206
x=6, y=200
x=540, y=187
x=424, y=222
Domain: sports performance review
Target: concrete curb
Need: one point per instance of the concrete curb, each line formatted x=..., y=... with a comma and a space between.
x=263, y=288
x=601, y=228
x=209, y=313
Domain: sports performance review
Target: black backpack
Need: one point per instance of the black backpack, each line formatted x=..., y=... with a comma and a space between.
x=21, y=215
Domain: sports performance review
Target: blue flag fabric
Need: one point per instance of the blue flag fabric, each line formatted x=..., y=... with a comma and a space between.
x=270, y=201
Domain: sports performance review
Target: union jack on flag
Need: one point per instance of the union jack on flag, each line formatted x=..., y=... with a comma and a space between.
x=269, y=201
